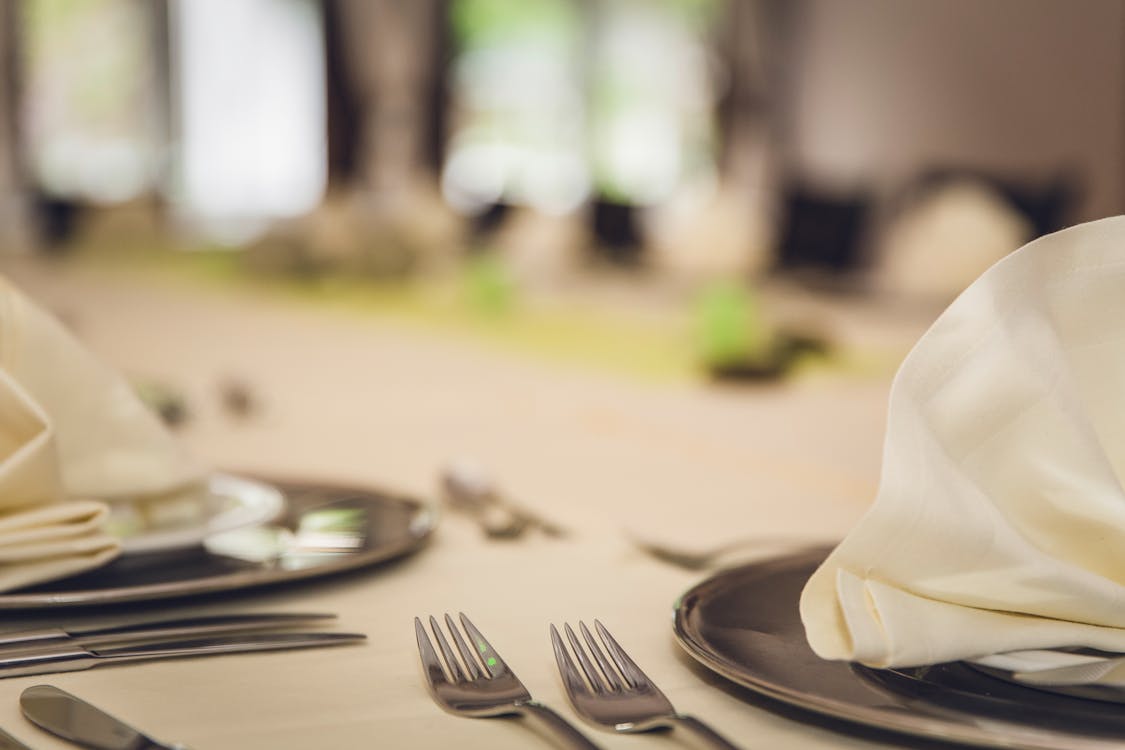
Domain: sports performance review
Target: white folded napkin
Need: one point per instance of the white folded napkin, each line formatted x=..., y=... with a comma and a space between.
x=72, y=434
x=999, y=524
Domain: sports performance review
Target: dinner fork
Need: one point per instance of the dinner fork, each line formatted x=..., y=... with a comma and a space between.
x=619, y=695
x=480, y=684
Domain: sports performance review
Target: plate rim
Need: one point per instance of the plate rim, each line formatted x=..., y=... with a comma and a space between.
x=966, y=732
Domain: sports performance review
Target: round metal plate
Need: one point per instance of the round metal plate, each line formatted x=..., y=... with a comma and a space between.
x=744, y=624
x=324, y=531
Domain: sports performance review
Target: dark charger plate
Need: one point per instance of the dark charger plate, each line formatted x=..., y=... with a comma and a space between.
x=743, y=623
x=345, y=529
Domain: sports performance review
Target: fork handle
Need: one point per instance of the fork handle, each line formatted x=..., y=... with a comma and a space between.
x=702, y=731
x=544, y=717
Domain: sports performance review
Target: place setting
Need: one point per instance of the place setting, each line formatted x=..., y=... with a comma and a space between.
x=105, y=506
x=976, y=603
x=102, y=506
x=978, y=600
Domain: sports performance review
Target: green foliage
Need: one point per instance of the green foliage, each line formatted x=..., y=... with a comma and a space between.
x=478, y=23
x=489, y=287
x=729, y=325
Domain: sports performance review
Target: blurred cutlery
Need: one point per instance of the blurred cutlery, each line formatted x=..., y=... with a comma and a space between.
x=468, y=487
x=616, y=694
x=73, y=719
x=726, y=553
x=73, y=658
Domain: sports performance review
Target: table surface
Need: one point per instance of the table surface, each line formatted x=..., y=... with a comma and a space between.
x=349, y=399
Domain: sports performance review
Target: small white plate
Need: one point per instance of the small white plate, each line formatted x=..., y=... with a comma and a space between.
x=230, y=503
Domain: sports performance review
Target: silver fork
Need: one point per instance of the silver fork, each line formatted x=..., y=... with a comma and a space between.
x=480, y=684
x=619, y=695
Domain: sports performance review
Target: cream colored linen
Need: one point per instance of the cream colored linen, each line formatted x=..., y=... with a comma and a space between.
x=72, y=433
x=109, y=443
x=999, y=524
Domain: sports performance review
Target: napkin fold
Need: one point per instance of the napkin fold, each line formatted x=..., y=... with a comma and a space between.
x=73, y=435
x=999, y=524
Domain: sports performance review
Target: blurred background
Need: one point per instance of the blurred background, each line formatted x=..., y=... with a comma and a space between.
x=670, y=187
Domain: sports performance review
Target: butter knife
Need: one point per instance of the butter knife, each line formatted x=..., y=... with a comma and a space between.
x=72, y=718
x=8, y=742
x=76, y=658
x=91, y=637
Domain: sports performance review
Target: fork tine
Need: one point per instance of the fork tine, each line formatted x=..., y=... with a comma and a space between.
x=597, y=682
x=467, y=655
x=572, y=678
x=492, y=661
x=596, y=651
x=450, y=658
x=430, y=660
x=629, y=669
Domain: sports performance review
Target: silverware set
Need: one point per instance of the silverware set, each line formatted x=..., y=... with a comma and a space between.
x=465, y=674
x=480, y=685
x=608, y=690
x=48, y=650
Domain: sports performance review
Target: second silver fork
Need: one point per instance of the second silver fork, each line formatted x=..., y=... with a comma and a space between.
x=616, y=694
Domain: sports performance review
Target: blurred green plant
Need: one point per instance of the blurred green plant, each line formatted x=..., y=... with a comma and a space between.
x=489, y=286
x=730, y=328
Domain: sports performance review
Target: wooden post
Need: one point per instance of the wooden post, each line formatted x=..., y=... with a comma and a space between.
x=388, y=46
x=15, y=228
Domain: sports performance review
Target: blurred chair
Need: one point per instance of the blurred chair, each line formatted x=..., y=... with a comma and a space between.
x=1046, y=203
x=616, y=233
x=949, y=225
x=822, y=230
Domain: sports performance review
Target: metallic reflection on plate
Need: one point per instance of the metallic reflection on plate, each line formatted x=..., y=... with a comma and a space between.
x=743, y=624
x=187, y=519
x=325, y=530
x=332, y=531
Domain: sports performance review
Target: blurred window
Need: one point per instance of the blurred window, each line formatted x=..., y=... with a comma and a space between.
x=251, y=102
x=92, y=122
x=558, y=101
x=651, y=98
x=519, y=111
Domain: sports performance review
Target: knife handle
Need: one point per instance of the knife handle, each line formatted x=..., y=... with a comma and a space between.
x=150, y=629
x=45, y=662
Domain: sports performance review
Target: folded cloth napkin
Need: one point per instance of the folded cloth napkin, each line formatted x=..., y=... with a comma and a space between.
x=999, y=524
x=72, y=435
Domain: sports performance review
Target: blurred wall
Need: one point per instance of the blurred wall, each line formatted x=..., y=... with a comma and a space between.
x=881, y=89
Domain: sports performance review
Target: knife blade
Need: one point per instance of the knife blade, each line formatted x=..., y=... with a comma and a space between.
x=73, y=719
x=8, y=742
x=77, y=658
x=93, y=637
